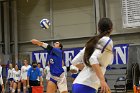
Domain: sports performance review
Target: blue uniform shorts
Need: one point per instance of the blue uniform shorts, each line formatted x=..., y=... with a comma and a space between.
x=79, y=88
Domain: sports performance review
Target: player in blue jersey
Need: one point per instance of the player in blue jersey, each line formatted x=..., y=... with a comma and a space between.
x=57, y=78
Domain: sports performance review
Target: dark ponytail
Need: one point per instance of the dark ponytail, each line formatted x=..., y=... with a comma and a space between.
x=105, y=26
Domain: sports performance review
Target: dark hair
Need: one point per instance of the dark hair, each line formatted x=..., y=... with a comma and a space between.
x=104, y=26
x=60, y=45
x=38, y=63
x=17, y=66
x=34, y=62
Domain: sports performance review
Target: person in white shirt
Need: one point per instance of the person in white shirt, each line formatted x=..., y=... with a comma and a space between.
x=65, y=68
x=93, y=60
x=24, y=70
x=17, y=79
x=41, y=70
x=1, y=81
x=47, y=73
x=10, y=76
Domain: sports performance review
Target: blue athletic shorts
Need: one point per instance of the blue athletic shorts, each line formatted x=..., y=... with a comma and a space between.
x=79, y=88
x=10, y=79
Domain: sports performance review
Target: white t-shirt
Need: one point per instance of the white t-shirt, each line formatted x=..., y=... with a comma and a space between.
x=88, y=76
x=1, y=80
x=16, y=75
x=24, y=70
x=47, y=72
x=65, y=70
x=10, y=73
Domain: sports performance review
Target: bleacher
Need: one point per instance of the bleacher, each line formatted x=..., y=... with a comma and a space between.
x=113, y=73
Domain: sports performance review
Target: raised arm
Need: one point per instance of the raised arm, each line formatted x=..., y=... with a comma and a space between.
x=46, y=46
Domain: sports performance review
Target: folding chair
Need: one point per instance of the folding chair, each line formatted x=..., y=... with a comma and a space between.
x=120, y=85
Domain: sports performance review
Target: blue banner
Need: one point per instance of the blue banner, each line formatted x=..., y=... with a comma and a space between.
x=120, y=55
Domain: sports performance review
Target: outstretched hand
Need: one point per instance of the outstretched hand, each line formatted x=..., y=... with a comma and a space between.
x=104, y=87
x=37, y=42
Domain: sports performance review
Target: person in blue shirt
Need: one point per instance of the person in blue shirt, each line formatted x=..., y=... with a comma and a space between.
x=32, y=76
x=58, y=78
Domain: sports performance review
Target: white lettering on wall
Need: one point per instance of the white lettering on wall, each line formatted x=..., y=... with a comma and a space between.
x=68, y=57
x=119, y=52
x=41, y=57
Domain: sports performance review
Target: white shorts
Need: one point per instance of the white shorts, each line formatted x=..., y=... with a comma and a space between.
x=48, y=77
x=61, y=82
x=24, y=77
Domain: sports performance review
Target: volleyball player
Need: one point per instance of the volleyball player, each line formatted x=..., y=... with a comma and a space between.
x=65, y=68
x=24, y=70
x=16, y=79
x=41, y=70
x=57, y=78
x=96, y=56
x=1, y=81
x=10, y=77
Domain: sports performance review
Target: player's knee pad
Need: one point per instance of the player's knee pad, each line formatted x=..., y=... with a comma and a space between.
x=24, y=87
x=13, y=90
x=18, y=90
x=10, y=88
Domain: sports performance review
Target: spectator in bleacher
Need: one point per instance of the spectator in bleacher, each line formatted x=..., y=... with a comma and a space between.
x=24, y=70
x=32, y=76
x=93, y=60
x=10, y=77
x=16, y=79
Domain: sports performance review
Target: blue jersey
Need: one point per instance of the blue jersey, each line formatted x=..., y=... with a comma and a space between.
x=55, y=60
x=33, y=74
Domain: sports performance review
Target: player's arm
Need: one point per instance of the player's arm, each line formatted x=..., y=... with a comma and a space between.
x=28, y=75
x=2, y=84
x=13, y=75
x=40, y=77
x=41, y=44
x=78, y=60
x=22, y=70
x=45, y=71
x=97, y=68
x=28, y=82
x=7, y=77
x=46, y=46
x=80, y=66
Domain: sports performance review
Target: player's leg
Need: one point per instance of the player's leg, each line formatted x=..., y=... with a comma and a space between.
x=62, y=84
x=11, y=85
x=19, y=86
x=24, y=82
x=14, y=87
x=51, y=87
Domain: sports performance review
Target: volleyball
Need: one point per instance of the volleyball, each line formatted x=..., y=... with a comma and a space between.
x=45, y=23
